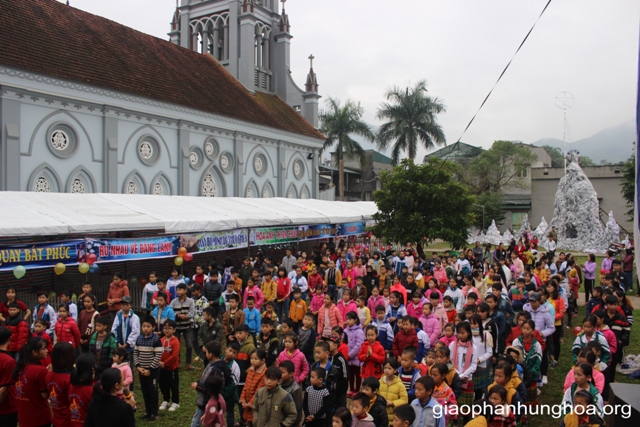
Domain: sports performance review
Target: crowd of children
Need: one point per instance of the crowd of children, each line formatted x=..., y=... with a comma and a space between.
x=341, y=338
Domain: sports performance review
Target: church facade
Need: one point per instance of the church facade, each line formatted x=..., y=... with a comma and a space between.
x=89, y=105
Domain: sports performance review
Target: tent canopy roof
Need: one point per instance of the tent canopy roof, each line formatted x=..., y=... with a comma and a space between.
x=30, y=213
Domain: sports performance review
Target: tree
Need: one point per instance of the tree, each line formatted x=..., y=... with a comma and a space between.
x=557, y=159
x=422, y=202
x=503, y=167
x=586, y=161
x=488, y=206
x=628, y=183
x=411, y=117
x=338, y=123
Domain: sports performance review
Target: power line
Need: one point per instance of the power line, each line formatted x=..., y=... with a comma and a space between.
x=505, y=69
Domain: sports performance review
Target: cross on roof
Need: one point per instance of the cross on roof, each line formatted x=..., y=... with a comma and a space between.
x=311, y=58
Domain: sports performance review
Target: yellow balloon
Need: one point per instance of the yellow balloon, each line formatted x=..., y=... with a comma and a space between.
x=59, y=268
x=178, y=261
x=84, y=267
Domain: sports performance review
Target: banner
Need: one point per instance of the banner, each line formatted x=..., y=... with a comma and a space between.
x=215, y=241
x=271, y=236
x=36, y=255
x=350, y=229
x=317, y=231
x=133, y=249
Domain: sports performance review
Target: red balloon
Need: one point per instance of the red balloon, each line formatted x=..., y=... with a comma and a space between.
x=603, y=271
x=187, y=257
x=182, y=251
x=91, y=258
x=577, y=330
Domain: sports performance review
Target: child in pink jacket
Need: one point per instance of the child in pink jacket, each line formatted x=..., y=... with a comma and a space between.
x=375, y=300
x=292, y=353
x=346, y=305
x=430, y=323
x=121, y=362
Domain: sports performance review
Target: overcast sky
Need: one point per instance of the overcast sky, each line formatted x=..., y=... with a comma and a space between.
x=586, y=47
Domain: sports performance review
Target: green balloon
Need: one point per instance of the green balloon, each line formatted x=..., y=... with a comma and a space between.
x=19, y=272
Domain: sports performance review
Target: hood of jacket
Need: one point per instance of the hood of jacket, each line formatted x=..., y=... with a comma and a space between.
x=543, y=309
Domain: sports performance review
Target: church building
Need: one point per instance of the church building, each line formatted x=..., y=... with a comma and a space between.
x=89, y=105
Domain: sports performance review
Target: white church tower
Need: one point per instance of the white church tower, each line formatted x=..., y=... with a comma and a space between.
x=252, y=40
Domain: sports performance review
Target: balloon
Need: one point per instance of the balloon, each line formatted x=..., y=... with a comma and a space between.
x=84, y=268
x=603, y=271
x=94, y=268
x=178, y=261
x=187, y=257
x=186, y=280
x=577, y=330
x=91, y=258
x=59, y=268
x=182, y=251
x=19, y=272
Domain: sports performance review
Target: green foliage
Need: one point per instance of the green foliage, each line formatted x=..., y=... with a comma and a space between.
x=503, y=167
x=557, y=159
x=586, y=161
x=628, y=184
x=410, y=118
x=492, y=203
x=339, y=122
x=419, y=202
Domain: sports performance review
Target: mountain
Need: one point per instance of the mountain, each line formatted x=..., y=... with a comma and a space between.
x=614, y=144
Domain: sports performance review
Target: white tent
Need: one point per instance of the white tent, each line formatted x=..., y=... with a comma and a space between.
x=30, y=213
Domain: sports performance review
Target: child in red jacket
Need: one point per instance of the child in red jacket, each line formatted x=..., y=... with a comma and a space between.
x=371, y=354
x=19, y=329
x=407, y=337
x=66, y=328
x=169, y=380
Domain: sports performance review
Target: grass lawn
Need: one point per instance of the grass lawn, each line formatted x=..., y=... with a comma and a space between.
x=551, y=393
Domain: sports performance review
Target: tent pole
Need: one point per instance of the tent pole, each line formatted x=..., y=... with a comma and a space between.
x=248, y=243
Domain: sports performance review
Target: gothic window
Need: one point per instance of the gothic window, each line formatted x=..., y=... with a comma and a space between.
x=209, y=188
x=267, y=190
x=158, y=190
x=292, y=193
x=298, y=169
x=42, y=185
x=59, y=140
x=78, y=186
x=304, y=192
x=62, y=140
x=132, y=188
x=148, y=150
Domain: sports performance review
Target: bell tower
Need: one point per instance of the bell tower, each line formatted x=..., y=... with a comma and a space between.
x=251, y=39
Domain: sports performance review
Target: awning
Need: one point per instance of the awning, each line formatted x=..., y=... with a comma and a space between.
x=30, y=213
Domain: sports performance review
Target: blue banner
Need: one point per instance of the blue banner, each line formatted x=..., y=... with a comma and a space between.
x=350, y=229
x=37, y=255
x=133, y=249
x=215, y=241
x=317, y=231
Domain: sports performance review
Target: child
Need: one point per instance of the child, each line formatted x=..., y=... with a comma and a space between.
x=216, y=406
x=589, y=333
x=316, y=400
x=86, y=290
x=385, y=331
x=423, y=338
x=532, y=351
x=605, y=330
x=342, y=417
x=210, y=330
x=595, y=300
x=297, y=308
x=121, y=362
x=40, y=331
x=253, y=291
x=162, y=312
x=269, y=287
x=581, y=413
x=44, y=311
x=406, y=337
x=172, y=283
x=371, y=355
x=407, y=372
x=343, y=345
x=427, y=409
x=404, y=416
x=414, y=308
x=386, y=296
x=378, y=405
x=33, y=406
x=317, y=302
x=86, y=320
x=500, y=415
x=456, y=295
x=200, y=302
x=162, y=285
x=483, y=342
x=516, y=391
x=126, y=327
x=442, y=393
x=268, y=341
x=427, y=362
x=147, y=292
x=19, y=329
x=430, y=323
x=359, y=415
x=464, y=355
x=214, y=367
x=169, y=379
x=65, y=298
x=395, y=310
x=338, y=360
x=375, y=300
x=271, y=396
x=322, y=353
x=293, y=354
x=252, y=316
x=66, y=328
x=391, y=387
x=518, y=294
x=255, y=380
x=232, y=318
x=102, y=344
x=438, y=310
x=346, y=305
x=587, y=356
x=363, y=312
x=443, y=355
x=289, y=385
x=247, y=347
x=307, y=336
x=184, y=308
x=270, y=312
x=328, y=317
x=399, y=287
x=81, y=388
x=146, y=357
x=449, y=308
x=58, y=381
x=583, y=381
x=355, y=337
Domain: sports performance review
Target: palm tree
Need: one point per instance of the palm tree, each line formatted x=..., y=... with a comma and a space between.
x=338, y=123
x=411, y=116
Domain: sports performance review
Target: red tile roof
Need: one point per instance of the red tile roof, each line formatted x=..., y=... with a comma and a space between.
x=51, y=38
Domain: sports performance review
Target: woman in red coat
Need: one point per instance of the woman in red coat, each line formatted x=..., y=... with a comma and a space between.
x=371, y=354
x=66, y=328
